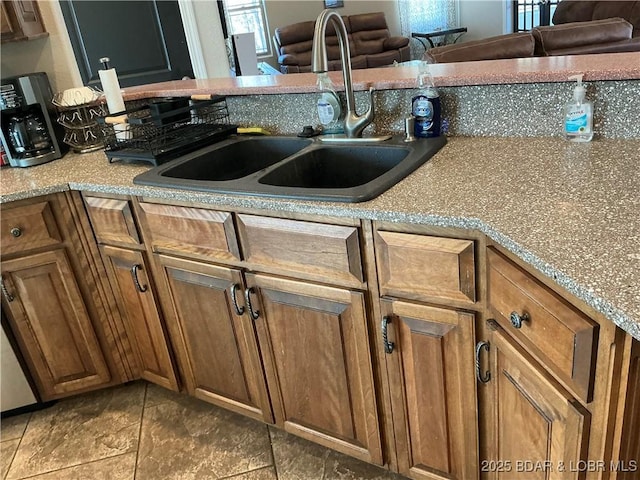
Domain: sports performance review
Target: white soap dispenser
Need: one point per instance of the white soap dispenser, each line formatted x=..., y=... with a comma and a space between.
x=578, y=114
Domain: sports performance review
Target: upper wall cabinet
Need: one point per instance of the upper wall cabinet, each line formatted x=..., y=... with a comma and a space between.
x=21, y=20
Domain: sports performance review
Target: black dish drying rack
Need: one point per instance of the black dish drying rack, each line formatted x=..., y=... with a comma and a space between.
x=164, y=129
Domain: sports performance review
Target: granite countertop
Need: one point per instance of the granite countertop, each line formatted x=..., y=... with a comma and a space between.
x=572, y=211
x=613, y=66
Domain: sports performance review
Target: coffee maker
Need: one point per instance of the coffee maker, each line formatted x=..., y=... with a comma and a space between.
x=29, y=131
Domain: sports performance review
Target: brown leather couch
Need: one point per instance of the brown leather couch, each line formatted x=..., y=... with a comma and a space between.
x=580, y=27
x=370, y=44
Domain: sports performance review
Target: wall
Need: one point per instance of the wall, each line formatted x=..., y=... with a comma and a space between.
x=483, y=18
x=212, y=43
x=52, y=54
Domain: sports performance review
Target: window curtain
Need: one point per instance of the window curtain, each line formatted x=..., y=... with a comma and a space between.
x=426, y=16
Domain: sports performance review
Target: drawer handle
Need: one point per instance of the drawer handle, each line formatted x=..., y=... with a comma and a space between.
x=486, y=376
x=517, y=319
x=239, y=310
x=247, y=296
x=16, y=232
x=388, y=346
x=5, y=292
x=136, y=281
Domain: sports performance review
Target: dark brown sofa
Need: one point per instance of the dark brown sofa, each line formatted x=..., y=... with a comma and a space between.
x=580, y=27
x=370, y=44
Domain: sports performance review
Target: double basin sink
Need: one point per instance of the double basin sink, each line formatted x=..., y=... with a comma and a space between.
x=292, y=167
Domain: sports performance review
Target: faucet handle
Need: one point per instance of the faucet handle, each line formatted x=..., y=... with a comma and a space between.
x=371, y=110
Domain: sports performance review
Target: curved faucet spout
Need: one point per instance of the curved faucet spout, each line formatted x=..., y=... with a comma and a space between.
x=354, y=124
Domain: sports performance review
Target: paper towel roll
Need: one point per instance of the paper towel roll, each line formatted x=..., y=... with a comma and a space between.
x=111, y=89
x=113, y=95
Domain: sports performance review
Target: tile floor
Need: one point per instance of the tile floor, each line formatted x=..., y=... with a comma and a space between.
x=143, y=432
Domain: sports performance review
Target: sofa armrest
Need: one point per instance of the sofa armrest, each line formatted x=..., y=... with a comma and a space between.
x=288, y=59
x=577, y=34
x=394, y=43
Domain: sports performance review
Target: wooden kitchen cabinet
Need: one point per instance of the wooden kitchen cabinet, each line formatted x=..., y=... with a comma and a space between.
x=122, y=249
x=537, y=424
x=215, y=342
x=429, y=351
x=21, y=20
x=52, y=324
x=303, y=361
x=315, y=350
x=558, y=382
x=430, y=358
x=136, y=299
x=53, y=300
x=529, y=311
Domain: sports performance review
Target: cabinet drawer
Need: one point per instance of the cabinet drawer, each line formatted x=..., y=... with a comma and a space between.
x=192, y=232
x=28, y=227
x=314, y=249
x=559, y=335
x=425, y=268
x=112, y=221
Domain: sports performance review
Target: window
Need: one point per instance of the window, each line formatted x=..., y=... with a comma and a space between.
x=245, y=16
x=533, y=13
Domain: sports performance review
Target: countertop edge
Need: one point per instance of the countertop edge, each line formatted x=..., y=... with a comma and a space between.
x=617, y=316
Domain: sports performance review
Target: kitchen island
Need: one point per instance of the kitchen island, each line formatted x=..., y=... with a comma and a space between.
x=569, y=210
x=356, y=326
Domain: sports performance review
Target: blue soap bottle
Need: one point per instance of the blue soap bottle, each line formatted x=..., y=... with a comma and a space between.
x=425, y=106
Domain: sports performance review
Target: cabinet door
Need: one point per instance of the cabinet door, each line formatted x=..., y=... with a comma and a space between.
x=136, y=300
x=50, y=320
x=7, y=30
x=217, y=347
x=21, y=20
x=539, y=429
x=316, y=355
x=431, y=370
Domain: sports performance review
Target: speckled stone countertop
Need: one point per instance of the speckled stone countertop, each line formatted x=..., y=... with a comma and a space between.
x=572, y=211
x=614, y=66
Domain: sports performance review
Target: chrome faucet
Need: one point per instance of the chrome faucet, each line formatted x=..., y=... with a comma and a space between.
x=354, y=124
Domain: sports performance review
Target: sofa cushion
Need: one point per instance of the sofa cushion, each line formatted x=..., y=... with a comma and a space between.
x=392, y=43
x=512, y=45
x=369, y=41
x=569, y=11
x=368, y=21
x=631, y=45
x=383, y=58
x=296, y=33
x=576, y=34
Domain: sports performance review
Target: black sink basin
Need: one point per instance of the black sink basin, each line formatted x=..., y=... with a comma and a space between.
x=291, y=167
x=235, y=160
x=336, y=167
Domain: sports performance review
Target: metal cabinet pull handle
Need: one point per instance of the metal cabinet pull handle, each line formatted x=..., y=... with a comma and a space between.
x=388, y=346
x=136, y=281
x=16, y=232
x=517, y=319
x=254, y=314
x=239, y=310
x=5, y=292
x=482, y=377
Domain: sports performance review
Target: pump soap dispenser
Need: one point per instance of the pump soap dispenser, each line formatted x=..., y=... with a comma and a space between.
x=578, y=114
